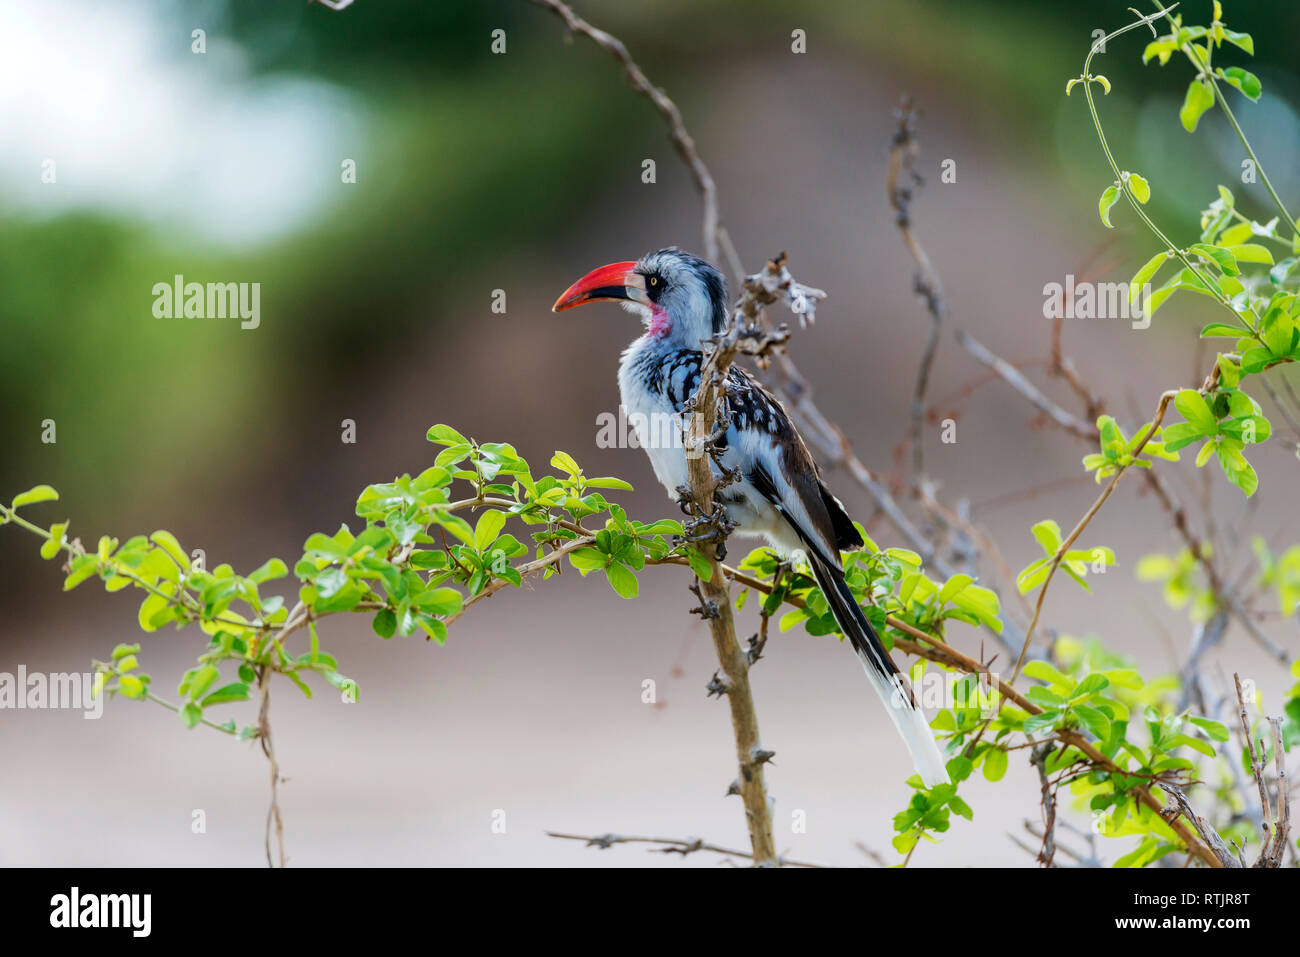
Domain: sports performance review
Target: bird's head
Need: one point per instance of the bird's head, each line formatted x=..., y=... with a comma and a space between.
x=677, y=295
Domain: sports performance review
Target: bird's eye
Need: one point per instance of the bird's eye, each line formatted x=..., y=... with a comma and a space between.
x=654, y=280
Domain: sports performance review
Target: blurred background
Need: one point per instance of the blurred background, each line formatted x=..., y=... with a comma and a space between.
x=521, y=172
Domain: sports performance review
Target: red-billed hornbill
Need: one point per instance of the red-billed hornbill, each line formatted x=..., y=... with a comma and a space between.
x=779, y=495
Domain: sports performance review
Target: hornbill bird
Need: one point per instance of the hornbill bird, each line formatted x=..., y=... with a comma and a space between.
x=779, y=494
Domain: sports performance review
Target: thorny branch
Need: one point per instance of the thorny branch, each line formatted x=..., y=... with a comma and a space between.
x=1274, y=825
x=1047, y=789
x=274, y=822
x=715, y=234
x=903, y=178
x=710, y=522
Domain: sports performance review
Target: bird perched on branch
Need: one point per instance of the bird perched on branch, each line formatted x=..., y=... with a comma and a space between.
x=771, y=486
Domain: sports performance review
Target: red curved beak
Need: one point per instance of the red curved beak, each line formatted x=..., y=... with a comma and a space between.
x=615, y=281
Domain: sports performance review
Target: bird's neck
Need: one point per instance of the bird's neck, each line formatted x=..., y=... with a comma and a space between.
x=645, y=375
x=654, y=348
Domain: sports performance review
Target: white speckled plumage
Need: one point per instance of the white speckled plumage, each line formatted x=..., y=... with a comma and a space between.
x=780, y=497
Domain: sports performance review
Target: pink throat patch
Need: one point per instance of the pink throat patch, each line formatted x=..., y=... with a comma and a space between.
x=660, y=322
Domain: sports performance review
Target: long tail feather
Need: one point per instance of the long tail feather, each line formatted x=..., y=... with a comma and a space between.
x=892, y=687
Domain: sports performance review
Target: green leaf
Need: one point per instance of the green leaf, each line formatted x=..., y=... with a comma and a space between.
x=1243, y=80
x=1196, y=744
x=588, y=559
x=41, y=493
x=439, y=601
x=488, y=528
x=565, y=463
x=1041, y=722
x=1044, y=671
x=1139, y=187
x=1145, y=274
x=191, y=714
x=131, y=686
x=953, y=586
x=700, y=565
x=1048, y=534
x=1191, y=404
x=1251, y=253
x=54, y=544
x=83, y=567
x=384, y=624
x=1044, y=697
x=1215, y=729
x=1222, y=330
x=1125, y=677
x=1164, y=48
x=331, y=581
x=1108, y=199
x=1033, y=575
x=343, y=683
x=961, y=807
x=237, y=691
x=1221, y=257
x=995, y=764
x=1239, y=471
x=1280, y=273
x=168, y=543
x=608, y=483
x=1094, y=721
x=446, y=435
x=272, y=569
x=151, y=606
x=1199, y=98
x=904, y=555
x=202, y=680
x=1236, y=235
x=433, y=627
x=1089, y=686
x=622, y=580
x=1242, y=40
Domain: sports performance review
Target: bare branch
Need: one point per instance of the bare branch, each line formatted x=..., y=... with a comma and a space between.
x=274, y=822
x=1203, y=827
x=1014, y=378
x=903, y=179
x=1274, y=827
x=671, y=845
x=715, y=234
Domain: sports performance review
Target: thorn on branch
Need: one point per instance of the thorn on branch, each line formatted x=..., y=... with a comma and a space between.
x=1207, y=832
x=1038, y=758
x=774, y=283
x=706, y=609
x=717, y=686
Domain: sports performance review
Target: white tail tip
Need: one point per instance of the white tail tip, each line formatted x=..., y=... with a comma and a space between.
x=912, y=727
